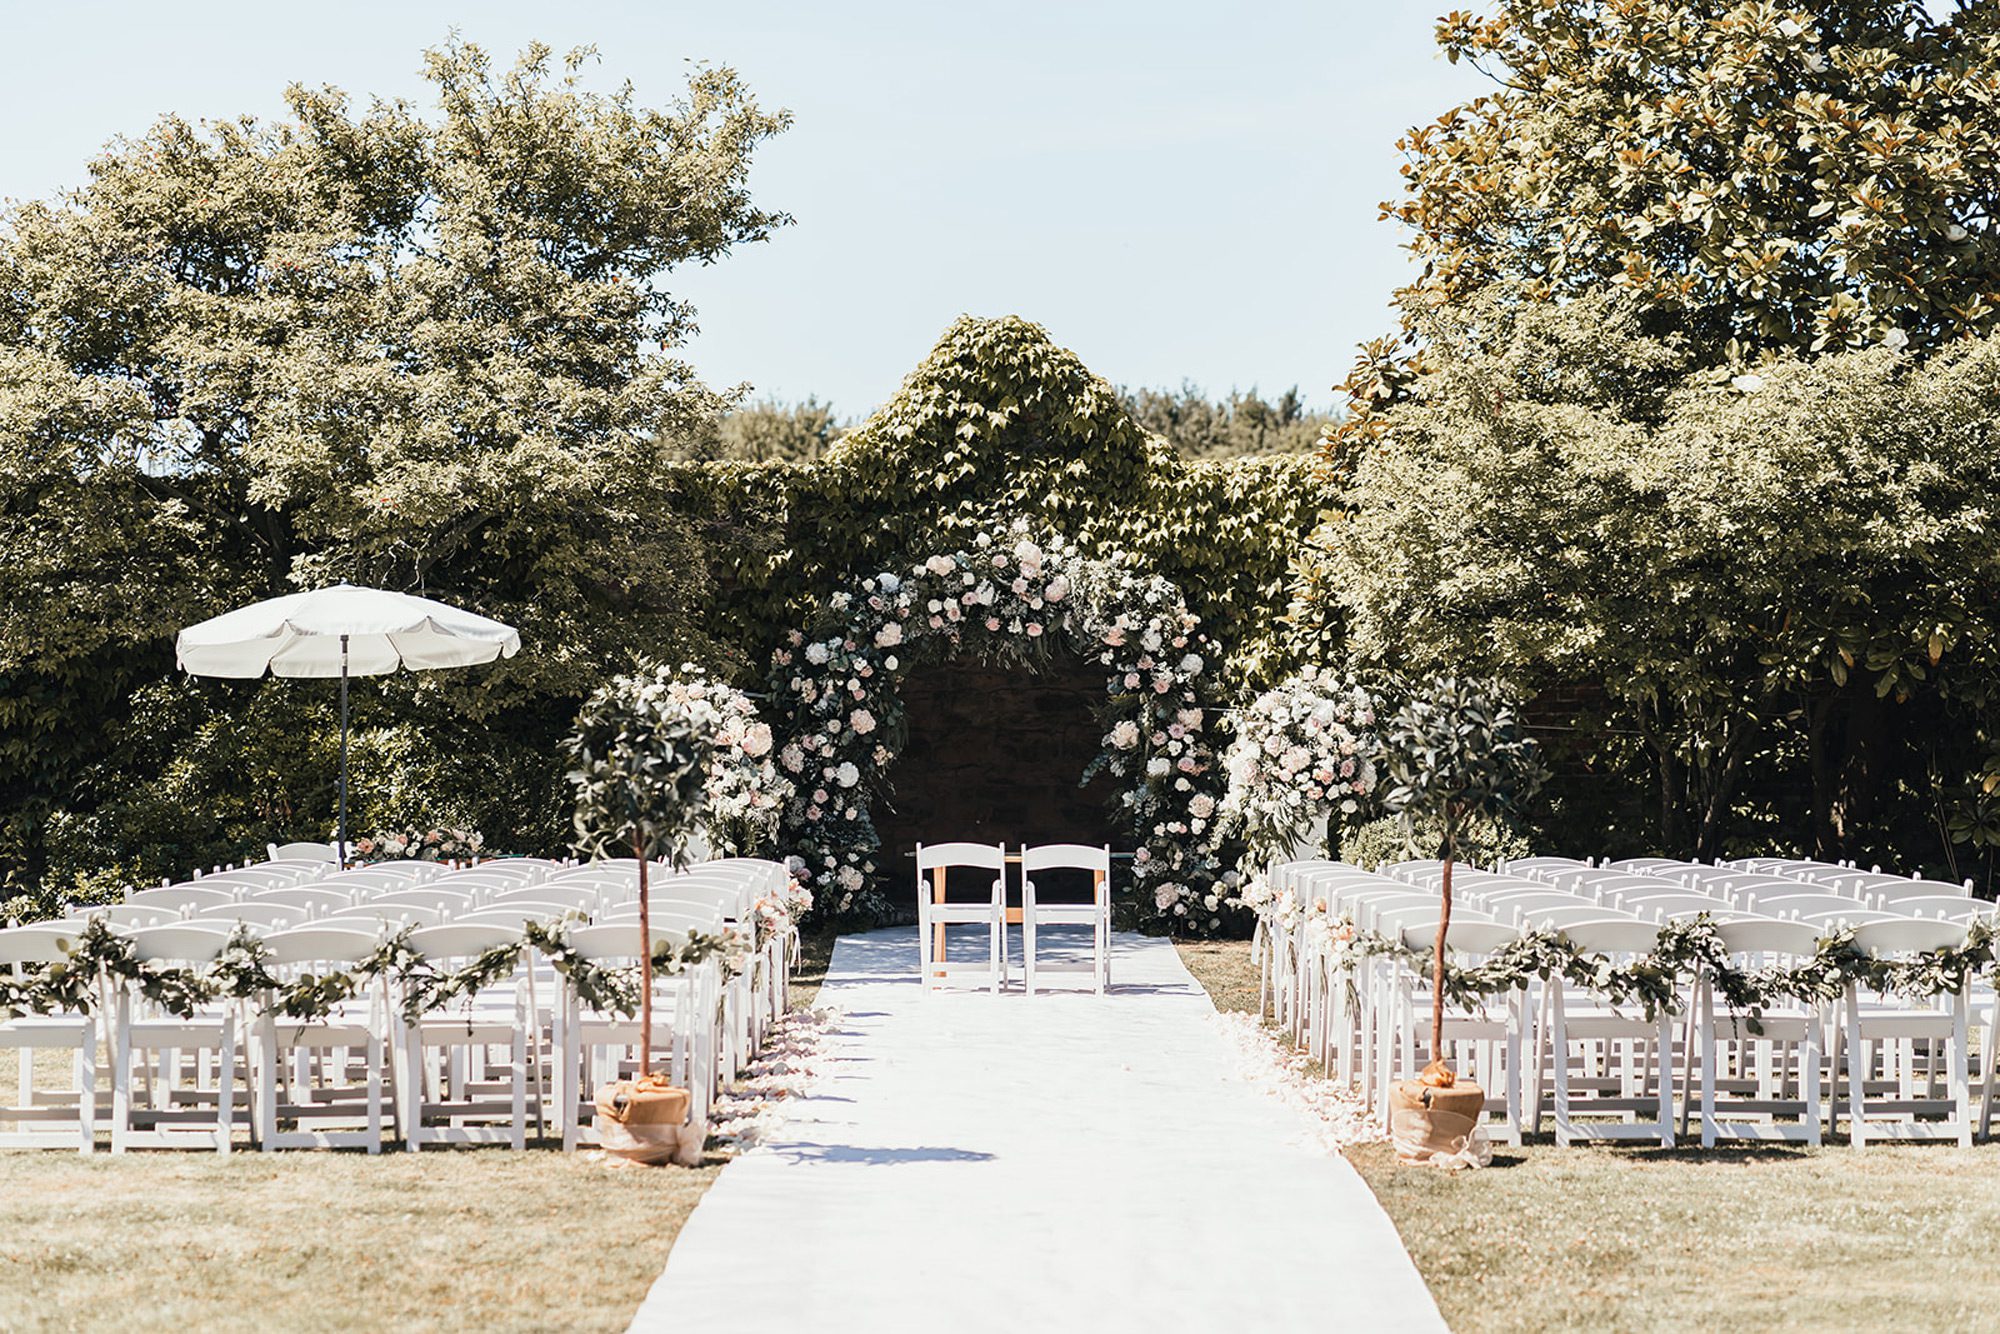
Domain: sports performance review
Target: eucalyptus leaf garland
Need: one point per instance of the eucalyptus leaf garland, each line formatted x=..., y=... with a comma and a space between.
x=1686, y=948
x=242, y=971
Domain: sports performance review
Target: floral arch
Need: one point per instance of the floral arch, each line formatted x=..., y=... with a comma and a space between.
x=1007, y=596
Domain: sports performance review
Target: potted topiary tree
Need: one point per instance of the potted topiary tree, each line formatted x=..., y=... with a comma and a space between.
x=1454, y=754
x=639, y=763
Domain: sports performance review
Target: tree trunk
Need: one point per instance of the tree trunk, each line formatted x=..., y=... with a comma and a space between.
x=1819, y=712
x=645, y=969
x=1437, y=968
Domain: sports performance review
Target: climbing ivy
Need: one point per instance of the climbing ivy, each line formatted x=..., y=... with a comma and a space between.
x=997, y=424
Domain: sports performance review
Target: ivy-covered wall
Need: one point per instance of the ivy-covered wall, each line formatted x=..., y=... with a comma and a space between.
x=998, y=423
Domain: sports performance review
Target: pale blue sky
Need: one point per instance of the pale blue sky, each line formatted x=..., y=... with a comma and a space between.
x=1174, y=190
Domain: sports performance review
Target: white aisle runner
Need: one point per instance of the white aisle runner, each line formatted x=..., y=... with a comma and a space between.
x=1035, y=1165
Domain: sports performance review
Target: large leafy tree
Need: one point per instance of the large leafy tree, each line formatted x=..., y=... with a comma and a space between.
x=1788, y=577
x=428, y=349
x=1772, y=176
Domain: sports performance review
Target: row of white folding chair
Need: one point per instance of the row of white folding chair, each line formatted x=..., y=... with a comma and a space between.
x=335, y=1111
x=1721, y=892
x=1881, y=1029
x=1508, y=1040
x=1849, y=878
x=1879, y=1033
x=1374, y=1043
x=1397, y=1000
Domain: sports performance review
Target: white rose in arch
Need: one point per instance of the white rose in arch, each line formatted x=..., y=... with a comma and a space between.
x=1057, y=590
x=889, y=635
x=816, y=654
x=862, y=721
x=847, y=775
x=756, y=741
x=1125, y=735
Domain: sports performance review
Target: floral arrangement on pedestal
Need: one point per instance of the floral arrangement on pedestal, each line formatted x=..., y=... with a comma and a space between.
x=1007, y=595
x=1301, y=755
x=746, y=793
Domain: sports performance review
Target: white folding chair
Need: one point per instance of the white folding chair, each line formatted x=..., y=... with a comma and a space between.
x=1488, y=1046
x=317, y=900
x=44, y=1118
x=305, y=1071
x=593, y=1047
x=1893, y=1048
x=450, y=1087
x=317, y=852
x=936, y=911
x=1640, y=1049
x=254, y=914
x=1750, y=1078
x=180, y=898
x=197, y=1115
x=1094, y=913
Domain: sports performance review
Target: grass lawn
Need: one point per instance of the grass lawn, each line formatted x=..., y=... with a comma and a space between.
x=1744, y=1238
x=441, y=1240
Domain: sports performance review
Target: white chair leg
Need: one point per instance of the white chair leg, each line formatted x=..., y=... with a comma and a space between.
x=1955, y=1073
x=86, y=1083
x=121, y=1075
x=1857, y=1134
x=1028, y=947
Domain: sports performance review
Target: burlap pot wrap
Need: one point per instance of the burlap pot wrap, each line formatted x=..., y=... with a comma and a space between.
x=646, y=1121
x=1439, y=1126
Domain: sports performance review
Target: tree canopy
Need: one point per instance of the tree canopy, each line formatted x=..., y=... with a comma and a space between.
x=1772, y=177
x=427, y=348
x=1789, y=571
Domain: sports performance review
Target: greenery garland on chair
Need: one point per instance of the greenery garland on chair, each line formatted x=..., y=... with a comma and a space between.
x=1685, y=948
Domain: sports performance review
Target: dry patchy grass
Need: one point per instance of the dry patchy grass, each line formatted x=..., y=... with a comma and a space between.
x=334, y=1241
x=1224, y=967
x=810, y=971
x=1745, y=1238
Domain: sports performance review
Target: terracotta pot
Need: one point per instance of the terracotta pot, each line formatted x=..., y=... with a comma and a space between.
x=1440, y=1127
x=646, y=1121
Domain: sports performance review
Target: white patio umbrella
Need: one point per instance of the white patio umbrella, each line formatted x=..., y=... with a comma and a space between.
x=341, y=631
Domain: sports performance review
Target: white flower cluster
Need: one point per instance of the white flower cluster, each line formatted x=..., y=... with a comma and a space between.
x=1302, y=751
x=747, y=794
x=844, y=703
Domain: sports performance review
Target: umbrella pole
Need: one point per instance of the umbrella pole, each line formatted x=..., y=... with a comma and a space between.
x=343, y=752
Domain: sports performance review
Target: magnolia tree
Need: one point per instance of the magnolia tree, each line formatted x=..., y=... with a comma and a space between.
x=1454, y=754
x=640, y=760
